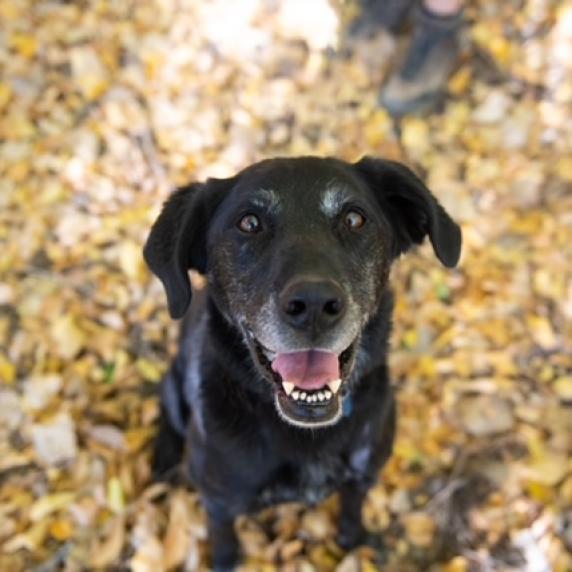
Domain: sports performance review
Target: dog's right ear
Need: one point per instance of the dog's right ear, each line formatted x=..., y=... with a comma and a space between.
x=177, y=239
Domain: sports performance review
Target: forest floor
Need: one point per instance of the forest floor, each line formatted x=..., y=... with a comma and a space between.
x=106, y=106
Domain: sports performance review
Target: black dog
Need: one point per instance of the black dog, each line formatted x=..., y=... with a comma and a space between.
x=280, y=391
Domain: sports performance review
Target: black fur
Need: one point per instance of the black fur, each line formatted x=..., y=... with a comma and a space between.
x=217, y=397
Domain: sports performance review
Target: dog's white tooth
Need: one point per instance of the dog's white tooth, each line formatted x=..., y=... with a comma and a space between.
x=288, y=387
x=296, y=395
x=335, y=385
x=321, y=396
x=303, y=395
x=328, y=394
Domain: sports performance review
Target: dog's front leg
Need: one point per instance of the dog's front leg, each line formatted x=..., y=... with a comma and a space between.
x=224, y=541
x=351, y=531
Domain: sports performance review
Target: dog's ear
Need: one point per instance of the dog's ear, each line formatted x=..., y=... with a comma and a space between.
x=411, y=209
x=177, y=239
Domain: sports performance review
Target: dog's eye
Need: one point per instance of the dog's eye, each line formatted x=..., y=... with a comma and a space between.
x=250, y=224
x=354, y=220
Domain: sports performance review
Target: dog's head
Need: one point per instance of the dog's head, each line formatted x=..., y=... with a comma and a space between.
x=297, y=254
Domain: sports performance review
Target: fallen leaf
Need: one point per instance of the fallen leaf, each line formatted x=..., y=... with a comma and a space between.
x=107, y=552
x=49, y=504
x=38, y=390
x=420, y=528
x=55, y=441
x=69, y=338
x=484, y=415
x=177, y=538
x=563, y=388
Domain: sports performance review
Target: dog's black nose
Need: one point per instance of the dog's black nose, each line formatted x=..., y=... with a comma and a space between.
x=312, y=304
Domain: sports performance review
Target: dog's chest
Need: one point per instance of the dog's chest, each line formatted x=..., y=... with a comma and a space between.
x=309, y=482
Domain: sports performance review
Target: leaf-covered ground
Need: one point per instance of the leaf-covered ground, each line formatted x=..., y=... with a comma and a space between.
x=105, y=106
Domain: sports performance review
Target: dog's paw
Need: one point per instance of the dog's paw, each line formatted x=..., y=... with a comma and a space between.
x=349, y=540
x=228, y=560
x=228, y=565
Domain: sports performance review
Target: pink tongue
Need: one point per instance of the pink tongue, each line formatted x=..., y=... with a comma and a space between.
x=307, y=370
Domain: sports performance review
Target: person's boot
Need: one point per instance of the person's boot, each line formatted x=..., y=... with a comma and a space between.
x=419, y=80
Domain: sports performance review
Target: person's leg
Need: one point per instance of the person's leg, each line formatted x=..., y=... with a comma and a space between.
x=443, y=7
x=420, y=78
x=388, y=15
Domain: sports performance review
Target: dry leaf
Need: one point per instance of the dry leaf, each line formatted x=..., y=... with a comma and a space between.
x=55, y=441
x=107, y=552
x=177, y=538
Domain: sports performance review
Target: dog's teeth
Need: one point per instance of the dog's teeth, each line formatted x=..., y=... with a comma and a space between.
x=288, y=387
x=303, y=395
x=296, y=395
x=321, y=396
x=335, y=385
x=328, y=394
x=313, y=399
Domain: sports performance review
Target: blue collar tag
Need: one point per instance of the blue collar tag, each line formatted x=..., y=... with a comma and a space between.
x=347, y=406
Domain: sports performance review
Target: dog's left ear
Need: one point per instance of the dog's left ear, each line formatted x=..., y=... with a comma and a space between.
x=411, y=209
x=177, y=241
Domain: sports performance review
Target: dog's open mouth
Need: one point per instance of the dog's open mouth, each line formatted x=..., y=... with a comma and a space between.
x=309, y=384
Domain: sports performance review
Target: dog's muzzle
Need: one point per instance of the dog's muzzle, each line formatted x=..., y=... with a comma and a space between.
x=309, y=385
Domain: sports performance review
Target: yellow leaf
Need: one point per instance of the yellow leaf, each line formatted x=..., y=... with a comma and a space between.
x=107, y=552
x=149, y=370
x=420, y=528
x=136, y=438
x=7, y=370
x=415, y=136
x=427, y=368
x=566, y=491
x=51, y=503
x=376, y=128
x=459, y=83
x=563, y=168
x=540, y=492
x=24, y=44
x=176, y=543
x=31, y=540
x=88, y=71
x=115, y=496
x=68, y=338
x=9, y=11
x=457, y=564
x=61, y=529
x=406, y=450
x=410, y=338
x=549, y=469
x=563, y=388
x=131, y=259
x=542, y=332
x=492, y=39
x=17, y=126
x=5, y=95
